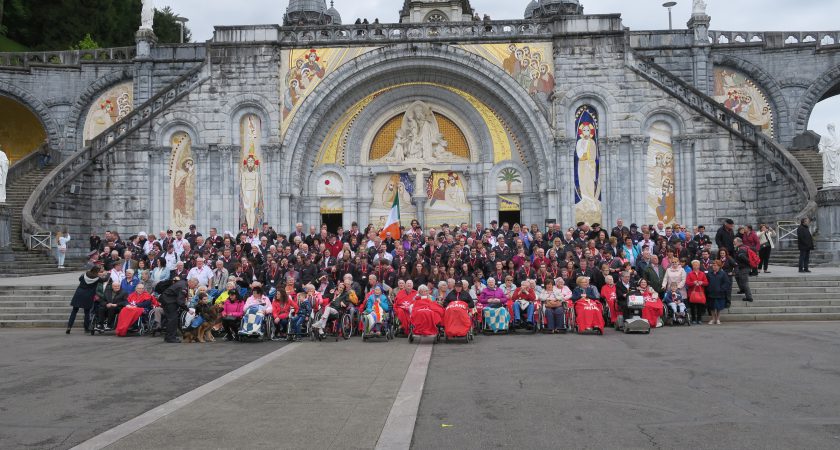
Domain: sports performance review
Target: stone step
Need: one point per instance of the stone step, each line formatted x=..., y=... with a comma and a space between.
x=784, y=309
x=34, y=316
x=52, y=310
x=780, y=317
x=65, y=302
x=40, y=323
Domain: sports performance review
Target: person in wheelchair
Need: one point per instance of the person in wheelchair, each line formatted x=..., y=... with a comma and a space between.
x=331, y=311
x=301, y=313
x=115, y=300
x=523, y=301
x=674, y=300
x=232, y=312
x=143, y=299
x=281, y=310
x=376, y=312
x=554, y=297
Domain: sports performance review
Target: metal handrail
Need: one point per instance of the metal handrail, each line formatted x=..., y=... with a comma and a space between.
x=735, y=124
x=75, y=164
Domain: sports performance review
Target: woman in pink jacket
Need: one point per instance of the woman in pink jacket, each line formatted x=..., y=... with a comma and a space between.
x=234, y=308
x=493, y=304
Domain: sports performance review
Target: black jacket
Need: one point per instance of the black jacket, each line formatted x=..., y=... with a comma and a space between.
x=804, y=240
x=725, y=239
x=175, y=294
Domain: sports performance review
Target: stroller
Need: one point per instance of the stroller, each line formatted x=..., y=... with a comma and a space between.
x=457, y=322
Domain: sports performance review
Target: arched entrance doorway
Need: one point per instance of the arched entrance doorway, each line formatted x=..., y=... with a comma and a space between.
x=431, y=126
x=21, y=132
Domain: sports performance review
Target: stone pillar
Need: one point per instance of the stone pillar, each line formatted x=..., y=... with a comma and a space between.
x=5, y=233
x=144, y=67
x=564, y=195
x=201, y=186
x=828, y=221
x=638, y=178
x=701, y=51
x=684, y=177
x=611, y=187
x=419, y=197
x=284, y=222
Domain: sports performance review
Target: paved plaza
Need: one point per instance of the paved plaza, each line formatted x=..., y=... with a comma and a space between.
x=729, y=386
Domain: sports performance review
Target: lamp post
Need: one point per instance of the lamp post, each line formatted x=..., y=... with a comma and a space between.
x=670, y=5
x=181, y=21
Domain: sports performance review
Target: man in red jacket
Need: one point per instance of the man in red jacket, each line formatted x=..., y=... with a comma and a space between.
x=523, y=300
x=751, y=241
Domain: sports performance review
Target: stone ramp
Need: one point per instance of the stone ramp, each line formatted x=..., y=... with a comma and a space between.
x=328, y=395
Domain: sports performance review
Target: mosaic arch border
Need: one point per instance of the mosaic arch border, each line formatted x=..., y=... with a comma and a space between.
x=37, y=107
x=75, y=128
x=448, y=62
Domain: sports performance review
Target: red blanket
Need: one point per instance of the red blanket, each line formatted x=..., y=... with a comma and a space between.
x=127, y=318
x=589, y=314
x=425, y=317
x=456, y=319
x=608, y=293
x=653, y=310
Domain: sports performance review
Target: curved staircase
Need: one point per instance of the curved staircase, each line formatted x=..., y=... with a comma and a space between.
x=24, y=261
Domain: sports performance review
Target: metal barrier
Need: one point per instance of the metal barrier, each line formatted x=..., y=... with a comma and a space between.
x=41, y=240
x=786, y=232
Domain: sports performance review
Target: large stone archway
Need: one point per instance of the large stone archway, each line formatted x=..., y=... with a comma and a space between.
x=826, y=86
x=37, y=108
x=444, y=67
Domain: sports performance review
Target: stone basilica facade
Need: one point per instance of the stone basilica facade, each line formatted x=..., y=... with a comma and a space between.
x=558, y=116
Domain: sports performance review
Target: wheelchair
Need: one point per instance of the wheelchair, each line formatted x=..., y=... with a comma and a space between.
x=386, y=331
x=306, y=330
x=673, y=319
x=334, y=327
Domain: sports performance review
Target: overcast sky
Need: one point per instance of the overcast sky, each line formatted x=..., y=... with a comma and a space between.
x=749, y=15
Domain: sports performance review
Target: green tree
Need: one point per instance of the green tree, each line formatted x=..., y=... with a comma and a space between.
x=167, y=29
x=509, y=176
x=86, y=44
x=60, y=24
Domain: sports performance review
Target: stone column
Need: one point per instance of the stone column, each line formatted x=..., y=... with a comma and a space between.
x=419, y=197
x=565, y=192
x=638, y=178
x=684, y=179
x=5, y=233
x=828, y=221
x=612, y=190
x=144, y=67
x=284, y=223
x=230, y=187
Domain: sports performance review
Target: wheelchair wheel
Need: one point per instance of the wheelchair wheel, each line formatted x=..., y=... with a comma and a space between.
x=346, y=326
x=410, y=337
x=268, y=325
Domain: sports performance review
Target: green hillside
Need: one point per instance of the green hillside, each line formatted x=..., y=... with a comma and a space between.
x=8, y=45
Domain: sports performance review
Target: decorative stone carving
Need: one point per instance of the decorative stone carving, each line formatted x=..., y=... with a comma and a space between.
x=147, y=15
x=698, y=8
x=830, y=151
x=419, y=139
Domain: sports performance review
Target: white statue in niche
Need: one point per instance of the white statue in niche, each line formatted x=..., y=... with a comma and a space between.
x=830, y=151
x=4, y=173
x=147, y=15
x=419, y=138
x=699, y=8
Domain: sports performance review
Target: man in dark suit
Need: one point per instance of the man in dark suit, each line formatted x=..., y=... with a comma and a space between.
x=174, y=299
x=805, y=242
x=725, y=237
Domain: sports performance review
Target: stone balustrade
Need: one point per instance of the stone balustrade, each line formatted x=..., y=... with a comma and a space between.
x=25, y=60
x=503, y=30
x=776, y=39
x=77, y=163
x=763, y=144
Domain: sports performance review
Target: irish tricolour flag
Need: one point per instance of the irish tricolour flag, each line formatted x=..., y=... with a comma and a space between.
x=392, y=225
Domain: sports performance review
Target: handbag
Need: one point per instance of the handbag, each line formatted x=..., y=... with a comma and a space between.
x=697, y=297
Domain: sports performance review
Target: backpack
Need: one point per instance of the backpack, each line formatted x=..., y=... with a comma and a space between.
x=754, y=259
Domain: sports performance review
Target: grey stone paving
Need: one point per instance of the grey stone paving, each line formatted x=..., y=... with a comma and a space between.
x=327, y=395
x=729, y=386
x=57, y=390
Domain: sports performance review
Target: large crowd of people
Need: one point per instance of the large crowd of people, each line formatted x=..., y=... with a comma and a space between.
x=168, y=271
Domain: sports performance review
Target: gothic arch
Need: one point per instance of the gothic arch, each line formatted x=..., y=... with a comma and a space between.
x=76, y=117
x=672, y=113
x=240, y=105
x=172, y=122
x=38, y=108
x=349, y=183
x=781, y=112
x=490, y=181
x=417, y=63
x=826, y=83
x=595, y=95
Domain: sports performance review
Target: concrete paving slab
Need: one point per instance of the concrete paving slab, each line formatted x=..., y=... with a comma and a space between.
x=58, y=390
x=730, y=386
x=304, y=400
